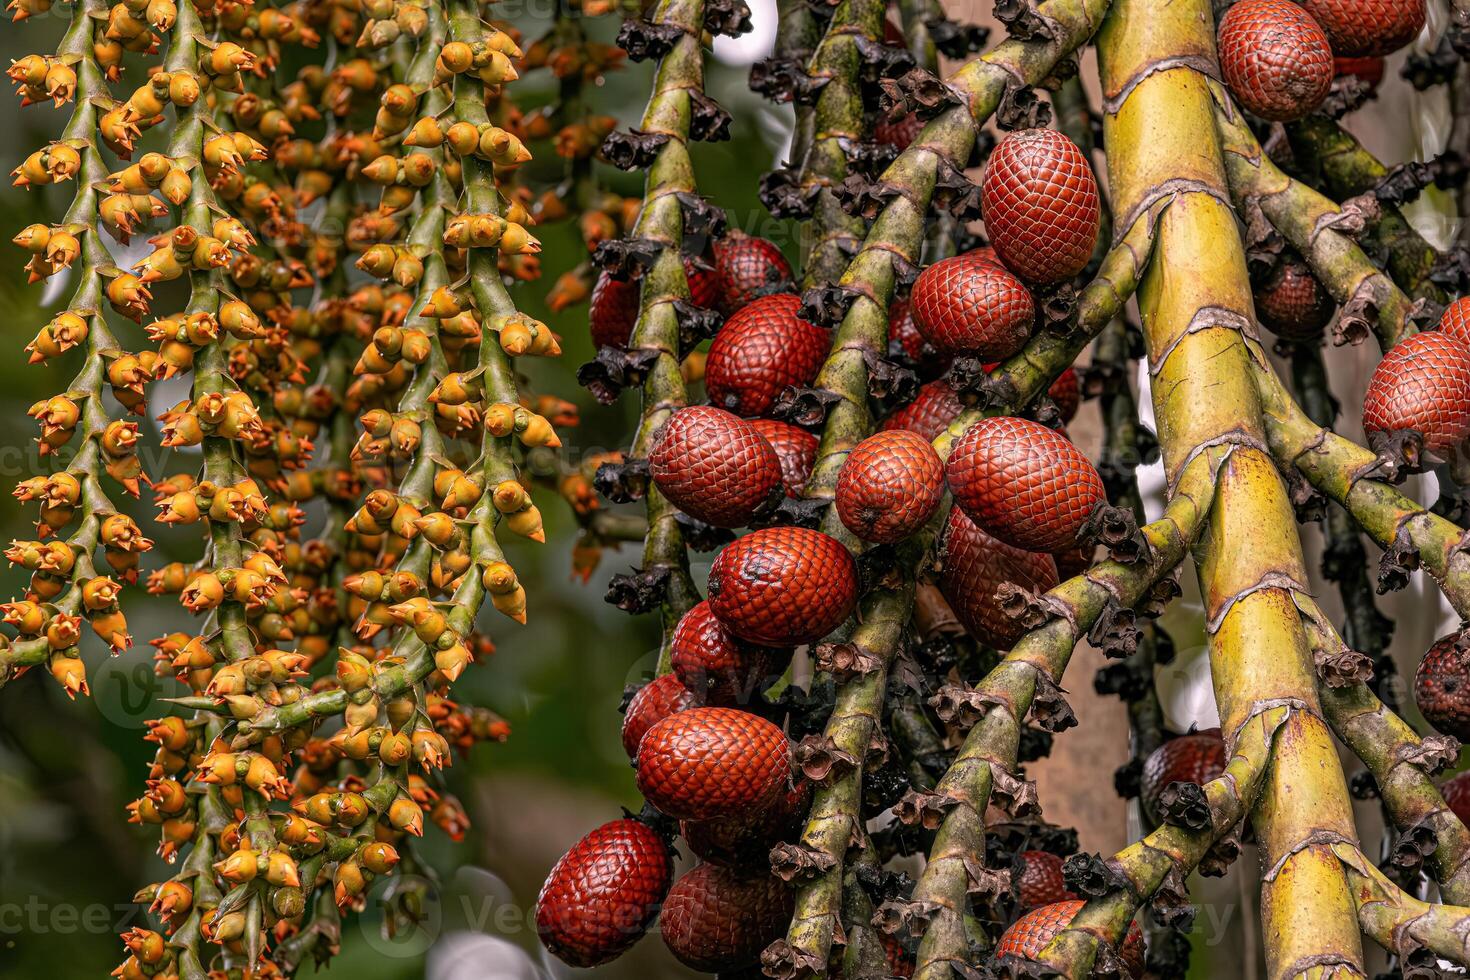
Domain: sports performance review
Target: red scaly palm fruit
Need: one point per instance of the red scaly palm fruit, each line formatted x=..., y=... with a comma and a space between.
x=712, y=763
x=1039, y=880
x=715, y=466
x=1367, y=27
x=975, y=565
x=1275, y=58
x=889, y=486
x=783, y=586
x=654, y=702
x=1031, y=933
x=1456, y=793
x=716, y=666
x=1422, y=384
x=747, y=844
x=968, y=304
x=747, y=268
x=717, y=918
x=1455, y=322
x=1040, y=203
x=795, y=447
x=930, y=413
x=613, y=309
x=1442, y=688
x=600, y=897
x=1194, y=758
x=763, y=348
x=1066, y=393
x=1023, y=483
x=897, y=133
x=1292, y=304
x=1370, y=70
x=903, y=332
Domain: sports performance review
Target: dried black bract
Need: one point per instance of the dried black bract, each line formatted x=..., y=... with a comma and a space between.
x=955, y=40
x=806, y=407
x=1343, y=668
x=1437, y=67
x=919, y=91
x=1115, y=528
x=626, y=258
x=785, y=196
x=1184, y=804
x=701, y=536
x=862, y=197
x=1049, y=708
x=1023, y=21
x=728, y=17
x=703, y=222
x=696, y=323
x=821, y=760
x=640, y=591
x=1348, y=93
x=1399, y=561
x=1413, y=846
x=798, y=862
x=644, y=39
x=1091, y=877
x=778, y=79
x=709, y=122
x=1021, y=108
x=889, y=382
x=1115, y=633
x=1057, y=309
x=881, y=60
x=624, y=482
x=868, y=157
x=632, y=150
x=1034, y=744
x=956, y=193
x=826, y=305
x=1128, y=779
x=612, y=370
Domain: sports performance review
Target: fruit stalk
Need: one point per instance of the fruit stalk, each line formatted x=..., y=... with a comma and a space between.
x=1403, y=925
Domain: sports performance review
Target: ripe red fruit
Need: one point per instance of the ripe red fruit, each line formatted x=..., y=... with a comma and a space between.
x=1275, y=58
x=783, y=586
x=600, y=897
x=1370, y=70
x=654, y=702
x=975, y=566
x=1194, y=758
x=715, y=466
x=1456, y=793
x=1455, y=322
x=747, y=843
x=1023, y=483
x=1040, y=203
x=747, y=267
x=903, y=332
x=1031, y=933
x=968, y=304
x=717, y=919
x=1292, y=304
x=761, y=349
x=613, y=309
x=889, y=486
x=1367, y=27
x=713, y=664
x=1442, y=688
x=711, y=763
x=1066, y=393
x=795, y=447
x=1039, y=881
x=900, y=132
x=1422, y=384
x=930, y=413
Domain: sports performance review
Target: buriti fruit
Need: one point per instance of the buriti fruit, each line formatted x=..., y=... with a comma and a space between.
x=1066, y=393
x=889, y=486
x=715, y=467
x=712, y=763
x=747, y=268
x=1039, y=880
x=974, y=566
x=1422, y=385
x=716, y=666
x=1023, y=483
x=1276, y=59
x=1040, y=203
x=1194, y=758
x=600, y=897
x=930, y=413
x=1442, y=688
x=1455, y=322
x=783, y=586
x=654, y=702
x=1368, y=27
x=717, y=918
x=1456, y=793
x=761, y=349
x=1031, y=933
x=746, y=842
x=795, y=447
x=968, y=304
x=1291, y=303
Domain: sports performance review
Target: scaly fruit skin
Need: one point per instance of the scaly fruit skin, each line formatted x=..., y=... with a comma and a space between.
x=1023, y=483
x=747, y=268
x=1423, y=384
x=1276, y=60
x=1040, y=203
x=1039, y=881
x=1292, y=304
x=654, y=702
x=1442, y=688
x=1367, y=27
x=613, y=309
x=716, y=666
x=1370, y=70
x=715, y=467
x=1455, y=322
x=1194, y=758
x=716, y=918
x=601, y=896
x=712, y=763
x=795, y=447
x=1031, y=933
x=974, y=566
x=889, y=486
x=1456, y=793
x=763, y=348
x=1066, y=393
x=746, y=844
x=967, y=304
x=783, y=586
x=930, y=413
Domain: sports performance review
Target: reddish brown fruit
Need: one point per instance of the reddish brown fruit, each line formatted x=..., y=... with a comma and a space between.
x=1422, y=384
x=903, y=332
x=712, y=763
x=747, y=268
x=1073, y=561
x=1031, y=933
x=1370, y=70
x=763, y=348
x=889, y=486
x=715, y=466
x=783, y=586
x=718, y=919
x=654, y=702
x=968, y=304
x=1023, y=483
x=713, y=664
x=898, y=133
x=1367, y=27
x=747, y=843
x=1455, y=322
x=1292, y=304
x=930, y=413
x=1275, y=58
x=975, y=566
x=1442, y=688
x=1456, y=793
x=600, y=897
x=613, y=309
x=1040, y=202
x=795, y=447
x=1039, y=880
x=1195, y=758
x=1066, y=393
